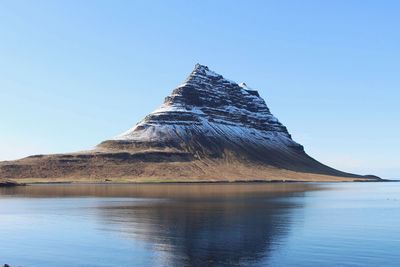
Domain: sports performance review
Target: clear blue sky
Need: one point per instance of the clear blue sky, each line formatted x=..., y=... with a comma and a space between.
x=73, y=73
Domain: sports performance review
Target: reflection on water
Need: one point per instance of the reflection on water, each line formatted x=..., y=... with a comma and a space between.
x=199, y=228
x=170, y=191
x=198, y=225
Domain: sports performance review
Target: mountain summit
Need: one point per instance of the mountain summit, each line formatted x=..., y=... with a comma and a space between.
x=208, y=129
x=208, y=106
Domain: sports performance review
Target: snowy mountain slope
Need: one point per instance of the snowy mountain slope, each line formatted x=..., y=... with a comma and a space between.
x=209, y=105
x=208, y=128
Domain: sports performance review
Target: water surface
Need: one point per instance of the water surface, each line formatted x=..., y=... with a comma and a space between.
x=295, y=224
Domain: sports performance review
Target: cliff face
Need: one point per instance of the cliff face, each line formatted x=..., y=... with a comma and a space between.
x=209, y=128
x=206, y=101
x=209, y=106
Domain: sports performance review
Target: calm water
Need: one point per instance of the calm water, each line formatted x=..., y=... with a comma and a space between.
x=341, y=224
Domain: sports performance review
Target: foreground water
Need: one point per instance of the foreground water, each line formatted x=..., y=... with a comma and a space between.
x=338, y=224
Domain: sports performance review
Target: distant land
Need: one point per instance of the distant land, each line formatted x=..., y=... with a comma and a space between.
x=210, y=129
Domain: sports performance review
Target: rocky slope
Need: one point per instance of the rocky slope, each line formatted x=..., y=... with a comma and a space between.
x=209, y=128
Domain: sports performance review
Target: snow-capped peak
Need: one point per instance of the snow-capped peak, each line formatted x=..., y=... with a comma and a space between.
x=207, y=103
x=204, y=72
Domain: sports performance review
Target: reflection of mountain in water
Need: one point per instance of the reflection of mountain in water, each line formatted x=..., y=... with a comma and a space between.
x=230, y=231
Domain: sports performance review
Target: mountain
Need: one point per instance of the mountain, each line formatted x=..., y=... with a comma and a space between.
x=208, y=129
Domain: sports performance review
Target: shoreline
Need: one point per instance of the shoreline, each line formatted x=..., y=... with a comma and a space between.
x=13, y=183
x=10, y=183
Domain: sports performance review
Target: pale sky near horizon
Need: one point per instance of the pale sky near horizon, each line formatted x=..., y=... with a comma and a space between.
x=74, y=73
